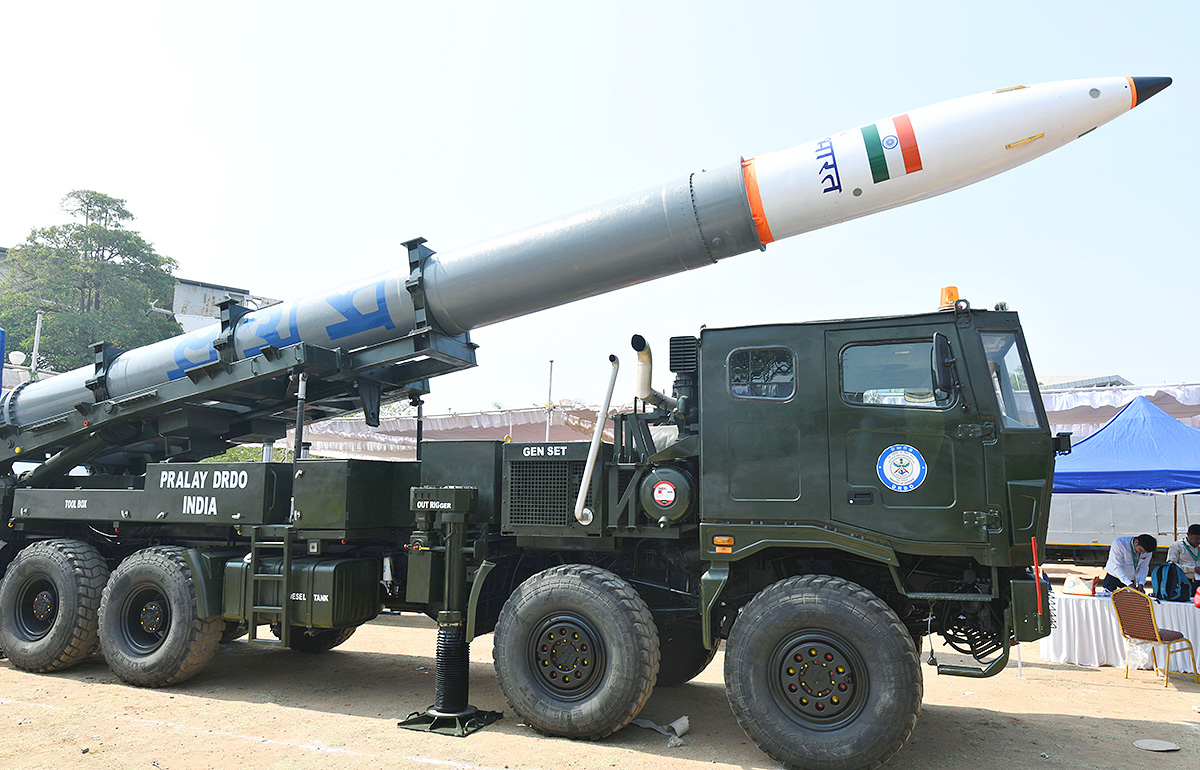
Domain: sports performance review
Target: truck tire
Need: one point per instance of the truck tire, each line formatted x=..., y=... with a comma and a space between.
x=822, y=674
x=151, y=633
x=318, y=640
x=682, y=656
x=49, y=602
x=576, y=652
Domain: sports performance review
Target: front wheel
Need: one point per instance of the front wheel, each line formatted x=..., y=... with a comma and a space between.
x=822, y=674
x=576, y=652
x=151, y=632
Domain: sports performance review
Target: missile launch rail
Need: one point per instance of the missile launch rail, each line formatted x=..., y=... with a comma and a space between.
x=824, y=498
x=233, y=400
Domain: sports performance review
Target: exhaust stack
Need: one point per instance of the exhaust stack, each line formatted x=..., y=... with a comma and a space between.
x=645, y=371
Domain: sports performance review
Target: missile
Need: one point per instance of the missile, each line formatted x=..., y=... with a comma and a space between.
x=687, y=223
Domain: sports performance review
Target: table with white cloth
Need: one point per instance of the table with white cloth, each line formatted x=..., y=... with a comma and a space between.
x=1086, y=632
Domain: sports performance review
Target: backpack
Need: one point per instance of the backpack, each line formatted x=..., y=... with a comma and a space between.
x=1169, y=583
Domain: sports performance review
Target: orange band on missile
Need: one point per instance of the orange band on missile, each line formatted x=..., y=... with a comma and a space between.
x=1133, y=93
x=908, y=143
x=754, y=197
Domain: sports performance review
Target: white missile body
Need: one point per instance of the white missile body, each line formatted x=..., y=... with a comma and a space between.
x=926, y=152
x=687, y=223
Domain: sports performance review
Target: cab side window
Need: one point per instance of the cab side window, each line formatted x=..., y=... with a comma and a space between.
x=891, y=374
x=765, y=373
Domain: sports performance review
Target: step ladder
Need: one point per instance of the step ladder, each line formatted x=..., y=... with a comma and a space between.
x=269, y=540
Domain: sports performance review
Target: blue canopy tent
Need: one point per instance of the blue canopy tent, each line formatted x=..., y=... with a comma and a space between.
x=1142, y=450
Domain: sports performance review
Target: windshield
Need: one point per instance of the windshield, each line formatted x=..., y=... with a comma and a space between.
x=1008, y=380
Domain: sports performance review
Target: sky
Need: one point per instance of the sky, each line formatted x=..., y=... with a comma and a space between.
x=288, y=147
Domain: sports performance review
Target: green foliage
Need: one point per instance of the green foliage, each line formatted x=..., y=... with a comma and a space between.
x=247, y=453
x=97, y=278
x=252, y=453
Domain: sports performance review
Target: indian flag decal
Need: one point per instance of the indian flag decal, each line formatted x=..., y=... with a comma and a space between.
x=891, y=148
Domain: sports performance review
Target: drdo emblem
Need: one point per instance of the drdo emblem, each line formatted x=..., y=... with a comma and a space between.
x=901, y=468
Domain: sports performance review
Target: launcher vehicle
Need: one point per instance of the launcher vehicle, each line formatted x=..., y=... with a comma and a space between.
x=819, y=496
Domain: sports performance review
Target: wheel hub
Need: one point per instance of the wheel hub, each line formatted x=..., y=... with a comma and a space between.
x=43, y=605
x=152, y=617
x=818, y=680
x=145, y=619
x=36, y=609
x=565, y=655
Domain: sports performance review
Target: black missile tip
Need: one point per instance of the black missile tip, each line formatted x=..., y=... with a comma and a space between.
x=1144, y=88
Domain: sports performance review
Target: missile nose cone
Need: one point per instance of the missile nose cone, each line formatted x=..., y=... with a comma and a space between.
x=1144, y=88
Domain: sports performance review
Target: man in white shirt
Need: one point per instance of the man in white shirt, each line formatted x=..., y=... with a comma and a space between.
x=1129, y=562
x=1186, y=553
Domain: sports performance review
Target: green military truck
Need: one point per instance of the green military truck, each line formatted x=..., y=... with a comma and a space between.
x=820, y=496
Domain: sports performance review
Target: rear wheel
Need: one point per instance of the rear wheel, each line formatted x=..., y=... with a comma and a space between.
x=821, y=673
x=150, y=629
x=576, y=652
x=49, y=601
x=318, y=639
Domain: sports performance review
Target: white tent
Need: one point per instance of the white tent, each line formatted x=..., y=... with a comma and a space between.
x=1080, y=411
x=1083, y=411
x=396, y=439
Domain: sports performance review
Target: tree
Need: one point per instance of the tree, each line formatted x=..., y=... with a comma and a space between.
x=99, y=277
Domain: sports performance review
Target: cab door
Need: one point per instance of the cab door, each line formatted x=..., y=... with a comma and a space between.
x=762, y=437
x=1021, y=458
x=906, y=459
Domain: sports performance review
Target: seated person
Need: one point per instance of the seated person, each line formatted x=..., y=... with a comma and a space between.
x=1186, y=553
x=1129, y=562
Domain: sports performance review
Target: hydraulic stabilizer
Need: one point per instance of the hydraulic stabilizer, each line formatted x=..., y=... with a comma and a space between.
x=450, y=713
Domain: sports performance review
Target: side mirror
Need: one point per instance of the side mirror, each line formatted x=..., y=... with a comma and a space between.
x=942, y=367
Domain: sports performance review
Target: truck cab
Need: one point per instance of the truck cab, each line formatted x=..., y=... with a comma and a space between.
x=879, y=427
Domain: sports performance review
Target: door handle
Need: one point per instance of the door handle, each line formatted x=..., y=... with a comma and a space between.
x=985, y=430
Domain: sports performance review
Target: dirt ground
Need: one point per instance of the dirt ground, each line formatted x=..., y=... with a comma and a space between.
x=257, y=707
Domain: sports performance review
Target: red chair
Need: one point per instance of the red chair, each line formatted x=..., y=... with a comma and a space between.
x=1135, y=614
